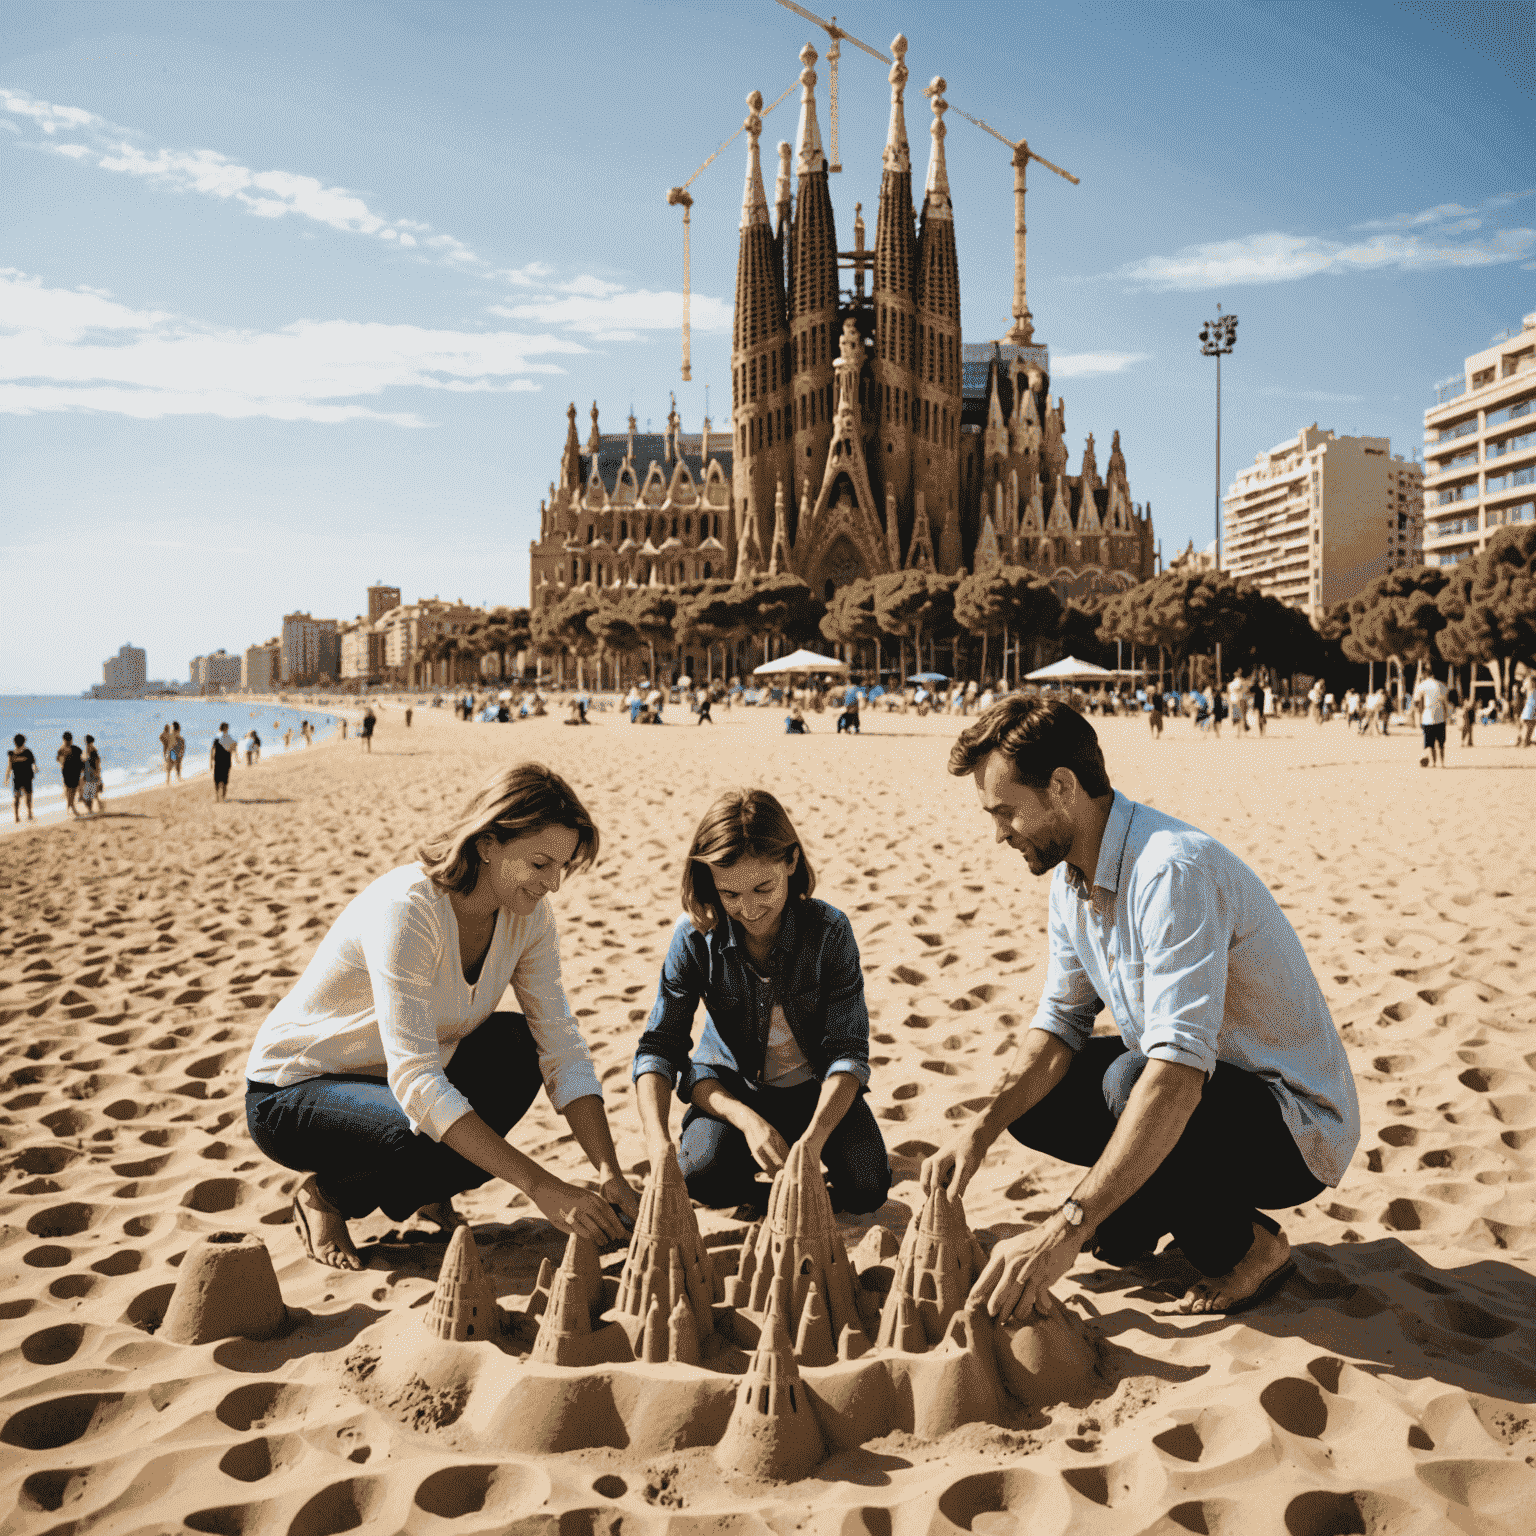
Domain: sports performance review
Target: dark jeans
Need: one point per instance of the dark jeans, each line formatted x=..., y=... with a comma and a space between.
x=720, y=1171
x=351, y=1133
x=1235, y=1158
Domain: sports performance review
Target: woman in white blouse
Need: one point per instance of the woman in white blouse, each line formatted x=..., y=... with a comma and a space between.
x=388, y=1075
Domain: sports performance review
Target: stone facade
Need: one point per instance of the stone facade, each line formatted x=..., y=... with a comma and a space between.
x=866, y=435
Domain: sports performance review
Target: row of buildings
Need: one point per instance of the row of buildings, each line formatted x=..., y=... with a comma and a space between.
x=1319, y=516
x=391, y=643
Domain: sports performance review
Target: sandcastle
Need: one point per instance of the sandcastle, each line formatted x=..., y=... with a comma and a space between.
x=791, y=1357
x=225, y=1288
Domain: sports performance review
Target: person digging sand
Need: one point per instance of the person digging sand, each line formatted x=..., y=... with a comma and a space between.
x=1225, y=1091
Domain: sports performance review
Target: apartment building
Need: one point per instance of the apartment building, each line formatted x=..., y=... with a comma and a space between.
x=1319, y=515
x=260, y=666
x=1480, y=448
x=218, y=672
x=362, y=647
x=411, y=627
x=311, y=649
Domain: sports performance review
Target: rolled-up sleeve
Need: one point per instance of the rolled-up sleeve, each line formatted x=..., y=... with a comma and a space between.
x=1069, y=1003
x=1185, y=934
x=842, y=980
x=565, y=1063
x=667, y=1043
x=403, y=956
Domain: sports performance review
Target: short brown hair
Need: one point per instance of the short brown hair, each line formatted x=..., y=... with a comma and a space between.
x=1036, y=736
x=742, y=823
x=513, y=803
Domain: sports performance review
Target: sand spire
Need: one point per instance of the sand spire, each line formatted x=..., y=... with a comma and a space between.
x=464, y=1305
x=772, y=1433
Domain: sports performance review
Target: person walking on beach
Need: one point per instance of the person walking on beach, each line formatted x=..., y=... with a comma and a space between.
x=369, y=721
x=1225, y=1091
x=175, y=750
x=20, y=770
x=90, y=777
x=249, y=747
x=1155, y=713
x=705, y=718
x=1430, y=698
x=71, y=763
x=221, y=753
x=389, y=1076
x=785, y=1052
x=408, y=713
x=307, y=731
x=1527, y=712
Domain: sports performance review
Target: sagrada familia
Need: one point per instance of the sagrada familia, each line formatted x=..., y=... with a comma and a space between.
x=866, y=436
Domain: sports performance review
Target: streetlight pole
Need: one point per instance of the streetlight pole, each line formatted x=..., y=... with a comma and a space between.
x=1217, y=338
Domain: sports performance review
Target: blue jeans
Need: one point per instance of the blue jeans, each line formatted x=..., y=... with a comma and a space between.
x=350, y=1132
x=720, y=1171
x=1235, y=1160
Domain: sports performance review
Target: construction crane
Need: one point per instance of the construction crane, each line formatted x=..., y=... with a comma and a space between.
x=834, y=52
x=682, y=197
x=1022, y=330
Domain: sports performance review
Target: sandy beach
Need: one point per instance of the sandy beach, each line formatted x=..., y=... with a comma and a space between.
x=1387, y=1388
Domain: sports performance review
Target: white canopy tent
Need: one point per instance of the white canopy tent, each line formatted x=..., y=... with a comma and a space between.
x=800, y=661
x=1070, y=670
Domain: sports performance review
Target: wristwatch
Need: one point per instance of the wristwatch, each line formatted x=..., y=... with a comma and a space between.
x=1073, y=1212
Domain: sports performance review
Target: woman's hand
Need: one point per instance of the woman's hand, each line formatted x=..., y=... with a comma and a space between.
x=768, y=1148
x=616, y=1190
x=580, y=1212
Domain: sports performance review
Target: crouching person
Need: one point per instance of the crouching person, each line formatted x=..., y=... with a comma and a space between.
x=784, y=1056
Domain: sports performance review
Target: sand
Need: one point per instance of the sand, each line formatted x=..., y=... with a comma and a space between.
x=1388, y=1388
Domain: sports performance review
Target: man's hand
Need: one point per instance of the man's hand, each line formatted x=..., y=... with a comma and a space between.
x=1023, y=1269
x=767, y=1147
x=953, y=1167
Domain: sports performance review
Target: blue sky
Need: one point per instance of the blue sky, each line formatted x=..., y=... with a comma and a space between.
x=295, y=294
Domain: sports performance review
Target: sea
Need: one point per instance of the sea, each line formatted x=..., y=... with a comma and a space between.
x=127, y=733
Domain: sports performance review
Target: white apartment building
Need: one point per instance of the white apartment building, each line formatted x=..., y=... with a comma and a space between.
x=311, y=649
x=410, y=627
x=259, y=667
x=1480, y=448
x=1318, y=516
x=217, y=672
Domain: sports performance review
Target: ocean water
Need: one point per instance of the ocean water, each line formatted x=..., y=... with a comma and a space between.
x=127, y=733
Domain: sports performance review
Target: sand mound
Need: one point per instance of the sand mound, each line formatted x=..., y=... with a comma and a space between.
x=1387, y=1388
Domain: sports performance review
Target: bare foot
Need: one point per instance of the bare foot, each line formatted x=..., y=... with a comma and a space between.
x=322, y=1229
x=442, y=1215
x=1264, y=1266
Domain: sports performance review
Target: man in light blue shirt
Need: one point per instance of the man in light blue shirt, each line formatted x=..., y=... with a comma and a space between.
x=1224, y=1091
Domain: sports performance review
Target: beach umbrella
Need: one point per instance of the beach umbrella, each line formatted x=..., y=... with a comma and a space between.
x=928, y=677
x=1070, y=670
x=800, y=661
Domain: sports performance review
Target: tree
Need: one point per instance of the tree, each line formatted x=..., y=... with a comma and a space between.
x=851, y=617
x=1183, y=611
x=783, y=608
x=1396, y=617
x=904, y=607
x=613, y=629
x=718, y=614
x=1080, y=631
x=652, y=610
x=563, y=627
x=1011, y=598
x=1489, y=603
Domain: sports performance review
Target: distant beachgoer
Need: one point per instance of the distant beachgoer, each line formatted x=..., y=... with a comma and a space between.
x=794, y=722
x=221, y=753
x=343, y=727
x=307, y=731
x=248, y=746
x=704, y=715
x=1431, y=698
x=408, y=713
x=287, y=738
x=784, y=1057
x=90, y=777
x=1218, y=711
x=347, y=1081
x=369, y=721
x=1468, y=719
x=849, y=719
x=165, y=745
x=71, y=763
x=20, y=771
x=1528, y=712
x=1155, y=713
x=175, y=750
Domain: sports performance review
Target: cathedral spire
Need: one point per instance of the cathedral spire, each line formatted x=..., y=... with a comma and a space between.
x=936, y=203
x=808, y=152
x=783, y=192
x=754, y=202
x=897, y=157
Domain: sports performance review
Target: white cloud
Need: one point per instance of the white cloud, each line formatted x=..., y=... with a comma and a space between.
x=1085, y=365
x=1408, y=242
x=78, y=350
x=617, y=315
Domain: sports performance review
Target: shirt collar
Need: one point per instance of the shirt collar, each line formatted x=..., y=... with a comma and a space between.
x=1106, y=877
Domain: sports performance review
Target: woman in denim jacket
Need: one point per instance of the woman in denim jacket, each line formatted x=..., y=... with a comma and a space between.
x=785, y=1052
